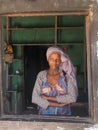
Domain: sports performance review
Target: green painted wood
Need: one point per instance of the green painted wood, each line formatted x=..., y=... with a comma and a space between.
x=32, y=36
x=35, y=21
x=71, y=21
x=71, y=35
x=41, y=29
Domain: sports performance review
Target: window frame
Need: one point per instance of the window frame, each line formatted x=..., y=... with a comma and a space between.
x=90, y=89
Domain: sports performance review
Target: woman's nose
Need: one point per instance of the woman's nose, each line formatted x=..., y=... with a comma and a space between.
x=55, y=62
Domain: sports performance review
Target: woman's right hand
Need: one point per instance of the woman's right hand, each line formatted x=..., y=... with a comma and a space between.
x=56, y=104
x=52, y=101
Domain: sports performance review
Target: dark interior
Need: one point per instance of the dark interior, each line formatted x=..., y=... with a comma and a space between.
x=35, y=61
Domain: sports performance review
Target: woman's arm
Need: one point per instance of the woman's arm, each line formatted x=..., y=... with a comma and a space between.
x=36, y=98
x=53, y=101
x=49, y=98
x=71, y=97
x=66, y=98
x=56, y=104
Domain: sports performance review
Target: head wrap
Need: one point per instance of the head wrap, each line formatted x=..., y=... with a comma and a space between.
x=65, y=65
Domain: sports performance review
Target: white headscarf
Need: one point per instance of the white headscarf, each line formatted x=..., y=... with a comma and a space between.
x=65, y=65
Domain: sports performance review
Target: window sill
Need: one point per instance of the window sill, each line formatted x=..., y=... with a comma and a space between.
x=41, y=118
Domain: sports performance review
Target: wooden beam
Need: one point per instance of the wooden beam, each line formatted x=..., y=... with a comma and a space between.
x=24, y=14
x=88, y=49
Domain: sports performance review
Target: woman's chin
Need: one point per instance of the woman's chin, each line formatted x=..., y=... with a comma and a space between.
x=54, y=68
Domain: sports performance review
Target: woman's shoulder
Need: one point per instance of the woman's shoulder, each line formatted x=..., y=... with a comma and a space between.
x=42, y=73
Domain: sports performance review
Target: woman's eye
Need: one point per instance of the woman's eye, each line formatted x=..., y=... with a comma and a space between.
x=52, y=60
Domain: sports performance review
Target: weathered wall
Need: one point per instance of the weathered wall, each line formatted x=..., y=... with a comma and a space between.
x=17, y=6
x=19, y=125
x=13, y=6
x=94, y=50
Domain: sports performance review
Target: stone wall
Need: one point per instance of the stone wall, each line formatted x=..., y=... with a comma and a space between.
x=19, y=6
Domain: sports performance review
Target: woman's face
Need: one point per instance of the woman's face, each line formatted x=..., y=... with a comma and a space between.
x=54, y=61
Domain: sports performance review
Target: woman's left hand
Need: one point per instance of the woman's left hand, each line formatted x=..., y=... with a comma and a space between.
x=49, y=98
x=52, y=101
x=44, y=96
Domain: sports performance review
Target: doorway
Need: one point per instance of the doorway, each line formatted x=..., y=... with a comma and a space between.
x=34, y=61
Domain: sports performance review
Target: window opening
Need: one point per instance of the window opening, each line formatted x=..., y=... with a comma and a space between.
x=30, y=37
x=34, y=61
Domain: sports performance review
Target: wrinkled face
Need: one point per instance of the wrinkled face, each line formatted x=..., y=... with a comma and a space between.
x=54, y=61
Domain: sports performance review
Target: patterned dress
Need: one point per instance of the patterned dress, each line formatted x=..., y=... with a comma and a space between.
x=56, y=90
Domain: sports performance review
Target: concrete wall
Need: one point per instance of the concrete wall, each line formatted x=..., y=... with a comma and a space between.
x=19, y=125
x=19, y=6
x=13, y=6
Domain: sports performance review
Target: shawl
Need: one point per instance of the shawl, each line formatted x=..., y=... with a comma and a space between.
x=66, y=64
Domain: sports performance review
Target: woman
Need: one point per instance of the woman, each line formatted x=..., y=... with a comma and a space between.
x=56, y=88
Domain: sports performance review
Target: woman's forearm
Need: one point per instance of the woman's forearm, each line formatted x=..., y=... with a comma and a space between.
x=56, y=104
x=53, y=101
x=49, y=98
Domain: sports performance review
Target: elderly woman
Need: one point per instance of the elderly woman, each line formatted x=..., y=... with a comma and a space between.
x=56, y=88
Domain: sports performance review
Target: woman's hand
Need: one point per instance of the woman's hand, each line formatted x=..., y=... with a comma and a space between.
x=49, y=98
x=56, y=104
x=44, y=96
x=52, y=101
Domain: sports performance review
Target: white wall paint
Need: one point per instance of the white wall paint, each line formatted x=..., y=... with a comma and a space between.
x=95, y=127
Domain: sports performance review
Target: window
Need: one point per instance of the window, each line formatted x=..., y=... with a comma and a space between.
x=30, y=36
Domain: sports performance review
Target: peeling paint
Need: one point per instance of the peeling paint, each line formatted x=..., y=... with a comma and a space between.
x=95, y=127
x=60, y=128
x=56, y=4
